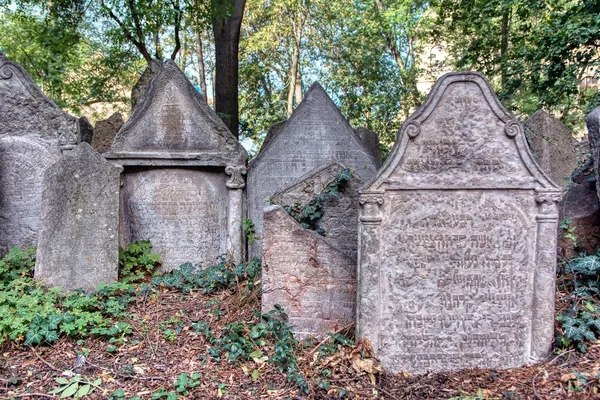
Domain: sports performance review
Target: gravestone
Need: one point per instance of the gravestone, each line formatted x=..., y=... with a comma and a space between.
x=371, y=141
x=273, y=130
x=551, y=144
x=457, y=240
x=105, y=132
x=78, y=245
x=310, y=278
x=176, y=192
x=86, y=129
x=593, y=126
x=340, y=213
x=316, y=135
x=33, y=132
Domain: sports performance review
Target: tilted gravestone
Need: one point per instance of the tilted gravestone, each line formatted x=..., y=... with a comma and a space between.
x=593, y=126
x=105, y=132
x=551, y=144
x=371, y=141
x=457, y=240
x=310, y=278
x=314, y=136
x=33, y=131
x=176, y=192
x=78, y=245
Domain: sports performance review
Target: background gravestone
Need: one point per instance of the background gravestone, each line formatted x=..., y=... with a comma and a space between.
x=593, y=126
x=176, y=193
x=551, y=144
x=371, y=141
x=86, y=129
x=33, y=131
x=309, y=277
x=314, y=136
x=105, y=132
x=78, y=244
x=458, y=240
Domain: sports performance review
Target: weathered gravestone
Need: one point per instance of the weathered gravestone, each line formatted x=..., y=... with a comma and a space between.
x=458, y=239
x=105, y=132
x=78, y=245
x=371, y=141
x=593, y=126
x=86, y=129
x=33, y=131
x=176, y=192
x=551, y=144
x=313, y=280
x=314, y=136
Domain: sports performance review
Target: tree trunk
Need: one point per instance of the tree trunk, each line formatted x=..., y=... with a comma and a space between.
x=201, y=69
x=226, y=27
x=298, y=92
x=295, y=88
x=504, y=48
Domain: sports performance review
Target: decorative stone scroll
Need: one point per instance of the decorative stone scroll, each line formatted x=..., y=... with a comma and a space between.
x=458, y=239
x=33, y=133
x=184, y=175
x=316, y=135
x=78, y=245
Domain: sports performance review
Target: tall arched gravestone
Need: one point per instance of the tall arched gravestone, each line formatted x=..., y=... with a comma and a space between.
x=183, y=178
x=458, y=239
x=33, y=131
x=316, y=135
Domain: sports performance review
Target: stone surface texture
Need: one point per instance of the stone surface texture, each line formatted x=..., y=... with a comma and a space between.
x=184, y=175
x=33, y=131
x=551, y=143
x=340, y=213
x=457, y=245
x=86, y=129
x=309, y=277
x=371, y=141
x=78, y=245
x=273, y=130
x=316, y=135
x=105, y=132
x=593, y=126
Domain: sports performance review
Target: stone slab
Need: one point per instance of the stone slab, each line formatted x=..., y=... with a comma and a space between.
x=316, y=135
x=458, y=230
x=340, y=213
x=551, y=144
x=371, y=141
x=78, y=245
x=105, y=132
x=86, y=129
x=312, y=280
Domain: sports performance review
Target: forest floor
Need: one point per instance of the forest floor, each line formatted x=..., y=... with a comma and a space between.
x=165, y=343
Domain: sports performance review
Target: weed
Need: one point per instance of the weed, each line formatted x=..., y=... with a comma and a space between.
x=249, y=230
x=136, y=262
x=569, y=228
x=75, y=387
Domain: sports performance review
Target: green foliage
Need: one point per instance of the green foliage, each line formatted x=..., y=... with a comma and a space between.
x=581, y=322
x=309, y=214
x=136, y=262
x=566, y=225
x=249, y=230
x=184, y=383
x=331, y=346
x=119, y=394
x=75, y=387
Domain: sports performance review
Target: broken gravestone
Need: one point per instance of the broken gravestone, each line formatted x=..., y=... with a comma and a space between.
x=78, y=245
x=33, y=131
x=310, y=278
x=176, y=193
x=105, y=132
x=86, y=129
x=551, y=145
x=371, y=141
x=316, y=135
x=457, y=240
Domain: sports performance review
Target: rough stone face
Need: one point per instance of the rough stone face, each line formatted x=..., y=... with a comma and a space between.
x=340, y=213
x=457, y=240
x=313, y=281
x=593, y=126
x=78, y=245
x=371, y=141
x=144, y=81
x=314, y=136
x=33, y=130
x=86, y=129
x=551, y=144
x=183, y=178
x=105, y=132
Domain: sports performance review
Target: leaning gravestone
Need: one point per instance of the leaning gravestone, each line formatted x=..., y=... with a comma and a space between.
x=309, y=277
x=593, y=126
x=314, y=136
x=458, y=240
x=551, y=144
x=371, y=141
x=33, y=131
x=78, y=245
x=177, y=155
x=105, y=132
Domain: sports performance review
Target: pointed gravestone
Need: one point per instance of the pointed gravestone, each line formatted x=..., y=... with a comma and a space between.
x=316, y=135
x=593, y=126
x=176, y=193
x=371, y=141
x=86, y=129
x=551, y=144
x=78, y=244
x=458, y=240
x=33, y=131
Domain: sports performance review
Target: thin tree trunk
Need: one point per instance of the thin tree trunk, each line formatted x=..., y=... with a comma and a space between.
x=295, y=66
x=504, y=48
x=298, y=92
x=201, y=68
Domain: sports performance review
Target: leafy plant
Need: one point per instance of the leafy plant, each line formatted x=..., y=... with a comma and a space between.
x=184, y=383
x=75, y=387
x=249, y=230
x=569, y=228
x=136, y=262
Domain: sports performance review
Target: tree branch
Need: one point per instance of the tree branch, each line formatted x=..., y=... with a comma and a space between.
x=140, y=45
x=177, y=27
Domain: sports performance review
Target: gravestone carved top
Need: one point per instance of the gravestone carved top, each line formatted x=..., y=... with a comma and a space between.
x=551, y=143
x=173, y=125
x=316, y=135
x=458, y=239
